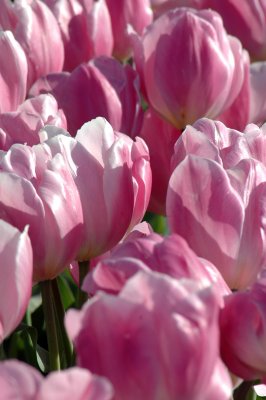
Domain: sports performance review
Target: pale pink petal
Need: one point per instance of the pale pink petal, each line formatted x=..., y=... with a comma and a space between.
x=13, y=73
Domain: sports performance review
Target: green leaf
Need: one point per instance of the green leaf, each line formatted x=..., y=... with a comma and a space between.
x=66, y=293
x=158, y=222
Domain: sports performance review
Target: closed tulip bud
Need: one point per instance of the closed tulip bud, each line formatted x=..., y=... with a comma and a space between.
x=185, y=55
x=16, y=276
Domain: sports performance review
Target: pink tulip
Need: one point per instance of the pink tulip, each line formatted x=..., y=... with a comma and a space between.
x=16, y=276
x=216, y=197
x=103, y=87
x=170, y=255
x=136, y=13
x=157, y=339
x=23, y=125
x=113, y=177
x=160, y=137
x=206, y=63
x=243, y=334
x=37, y=31
x=23, y=382
x=40, y=192
x=13, y=73
x=81, y=23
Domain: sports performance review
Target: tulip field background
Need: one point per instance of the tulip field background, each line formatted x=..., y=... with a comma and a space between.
x=133, y=199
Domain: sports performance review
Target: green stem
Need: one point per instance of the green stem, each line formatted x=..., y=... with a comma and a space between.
x=2, y=352
x=50, y=322
x=28, y=317
x=60, y=314
x=251, y=394
x=244, y=391
x=83, y=270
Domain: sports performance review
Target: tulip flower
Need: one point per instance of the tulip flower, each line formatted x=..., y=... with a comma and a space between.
x=21, y=381
x=41, y=193
x=216, y=196
x=13, y=73
x=185, y=55
x=35, y=28
x=81, y=24
x=157, y=339
x=23, y=126
x=16, y=276
x=243, y=334
x=113, y=178
x=170, y=255
x=102, y=87
x=136, y=13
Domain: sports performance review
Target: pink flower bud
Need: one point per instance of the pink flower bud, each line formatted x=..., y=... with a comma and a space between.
x=184, y=56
